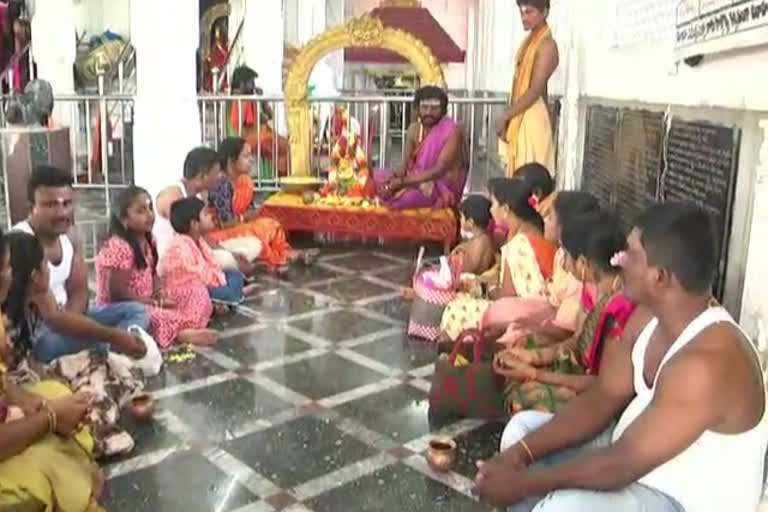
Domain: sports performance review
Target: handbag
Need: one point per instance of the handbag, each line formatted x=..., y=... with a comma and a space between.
x=471, y=390
x=430, y=300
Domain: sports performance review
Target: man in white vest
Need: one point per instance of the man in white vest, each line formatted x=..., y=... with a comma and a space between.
x=70, y=326
x=685, y=384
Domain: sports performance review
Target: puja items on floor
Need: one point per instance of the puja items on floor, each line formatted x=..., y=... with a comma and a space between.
x=433, y=289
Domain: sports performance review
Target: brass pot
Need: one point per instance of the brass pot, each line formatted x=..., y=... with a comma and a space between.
x=441, y=454
x=142, y=407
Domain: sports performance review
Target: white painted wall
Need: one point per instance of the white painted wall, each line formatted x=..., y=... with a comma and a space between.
x=96, y=16
x=603, y=60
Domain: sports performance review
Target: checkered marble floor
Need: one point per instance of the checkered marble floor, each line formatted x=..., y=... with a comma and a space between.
x=314, y=400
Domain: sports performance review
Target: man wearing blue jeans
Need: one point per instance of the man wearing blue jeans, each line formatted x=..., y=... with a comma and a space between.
x=69, y=325
x=684, y=382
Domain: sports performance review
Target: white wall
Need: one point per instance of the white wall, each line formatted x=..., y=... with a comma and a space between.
x=628, y=61
x=96, y=16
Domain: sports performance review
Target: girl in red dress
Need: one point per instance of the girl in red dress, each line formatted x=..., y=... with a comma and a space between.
x=126, y=271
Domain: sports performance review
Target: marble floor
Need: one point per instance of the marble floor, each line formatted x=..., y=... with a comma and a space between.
x=314, y=400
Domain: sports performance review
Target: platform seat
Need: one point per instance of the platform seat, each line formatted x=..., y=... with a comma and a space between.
x=422, y=224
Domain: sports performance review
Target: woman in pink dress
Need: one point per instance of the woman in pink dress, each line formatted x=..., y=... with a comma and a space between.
x=126, y=271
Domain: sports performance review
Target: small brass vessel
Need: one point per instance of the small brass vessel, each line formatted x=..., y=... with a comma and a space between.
x=142, y=407
x=441, y=454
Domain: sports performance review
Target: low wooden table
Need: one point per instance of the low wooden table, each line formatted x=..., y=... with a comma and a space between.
x=375, y=222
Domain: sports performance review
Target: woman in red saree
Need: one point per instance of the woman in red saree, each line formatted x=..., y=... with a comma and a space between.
x=545, y=376
x=236, y=213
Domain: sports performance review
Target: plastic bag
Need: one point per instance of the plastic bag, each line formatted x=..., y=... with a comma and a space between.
x=152, y=362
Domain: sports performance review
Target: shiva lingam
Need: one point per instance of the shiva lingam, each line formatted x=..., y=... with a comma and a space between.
x=441, y=454
x=142, y=407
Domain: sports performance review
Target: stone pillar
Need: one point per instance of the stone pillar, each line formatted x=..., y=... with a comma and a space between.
x=167, y=121
x=754, y=304
x=53, y=49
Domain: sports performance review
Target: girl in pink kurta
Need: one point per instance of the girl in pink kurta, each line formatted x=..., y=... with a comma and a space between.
x=126, y=270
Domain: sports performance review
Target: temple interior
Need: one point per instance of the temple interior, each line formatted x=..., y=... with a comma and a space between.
x=315, y=397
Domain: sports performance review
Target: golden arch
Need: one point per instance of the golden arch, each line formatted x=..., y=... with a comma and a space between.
x=366, y=31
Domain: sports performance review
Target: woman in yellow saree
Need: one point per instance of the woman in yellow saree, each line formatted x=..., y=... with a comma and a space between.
x=527, y=260
x=525, y=129
x=46, y=462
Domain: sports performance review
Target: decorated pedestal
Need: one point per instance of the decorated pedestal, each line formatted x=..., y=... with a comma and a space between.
x=23, y=149
x=369, y=221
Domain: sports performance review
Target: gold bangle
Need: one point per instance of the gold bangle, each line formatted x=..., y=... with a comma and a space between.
x=527, y=450
x=51, y=419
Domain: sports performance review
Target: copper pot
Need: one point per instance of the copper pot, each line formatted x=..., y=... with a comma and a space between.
x=142, y=406
x=441, y=453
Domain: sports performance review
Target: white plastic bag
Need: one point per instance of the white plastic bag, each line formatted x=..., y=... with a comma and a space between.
x=152, y=362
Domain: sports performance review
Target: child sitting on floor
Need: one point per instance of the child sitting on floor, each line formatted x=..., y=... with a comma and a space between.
x=189, y=261
x=126, y=271
x=476, y=249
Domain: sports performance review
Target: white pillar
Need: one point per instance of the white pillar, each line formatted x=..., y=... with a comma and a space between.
x=53, y=49
x=167, y=121
x=263, y=43
x=754, y=304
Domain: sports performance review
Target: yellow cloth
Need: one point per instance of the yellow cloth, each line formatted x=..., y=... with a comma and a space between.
x=529, y=134
x=54, y=473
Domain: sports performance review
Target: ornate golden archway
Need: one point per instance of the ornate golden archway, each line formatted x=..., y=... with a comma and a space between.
x=366, y=31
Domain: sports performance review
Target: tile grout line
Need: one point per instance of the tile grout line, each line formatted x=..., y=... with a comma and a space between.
x=342, y=476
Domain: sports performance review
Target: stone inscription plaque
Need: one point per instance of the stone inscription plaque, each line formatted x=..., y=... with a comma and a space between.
x=600, y=158
x=641, y=136
x=702, y=159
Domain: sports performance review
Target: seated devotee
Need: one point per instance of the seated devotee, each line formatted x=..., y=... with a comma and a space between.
x=685, y=382
x=202, y=167
x=46, y=460
x=259, y=133
x=69, y=324
x=542, y=188
x=189, y=261
x=526, y=259
x=563, y=315
x=126, y=270
x=476, y=248
x=106, y=376
x=434, y=169
x=525, y=128
x=546, y=377
x=237, y=217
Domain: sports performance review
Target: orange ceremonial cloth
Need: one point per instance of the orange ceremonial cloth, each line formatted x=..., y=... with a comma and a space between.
x=276, y=250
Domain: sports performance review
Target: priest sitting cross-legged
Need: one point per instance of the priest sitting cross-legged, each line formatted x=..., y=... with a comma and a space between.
x=435, y=167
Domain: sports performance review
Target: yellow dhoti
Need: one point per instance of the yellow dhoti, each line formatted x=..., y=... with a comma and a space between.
x=534, y=141
x=529, y=134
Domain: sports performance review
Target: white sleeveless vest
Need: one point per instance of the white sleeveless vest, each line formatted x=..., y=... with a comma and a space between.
x=718, y=472
x=59, y=273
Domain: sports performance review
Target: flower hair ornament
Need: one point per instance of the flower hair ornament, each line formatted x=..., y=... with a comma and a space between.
x=619, y=259
x=533, y=201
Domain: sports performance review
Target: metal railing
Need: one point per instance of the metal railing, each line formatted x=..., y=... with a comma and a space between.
x=101, y=131
x=383, y=122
